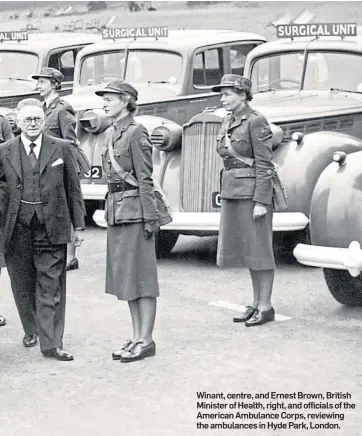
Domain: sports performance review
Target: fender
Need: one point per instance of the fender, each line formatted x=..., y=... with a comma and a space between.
x=335, y=215
x=302, y=162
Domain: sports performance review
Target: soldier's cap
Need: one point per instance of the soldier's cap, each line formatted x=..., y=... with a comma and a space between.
x=119, y=87
x=233, y=81
x=49, y=73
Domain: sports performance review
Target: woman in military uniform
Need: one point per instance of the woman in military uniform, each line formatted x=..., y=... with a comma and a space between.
x=60, y=122
x=246, y=231
x=5, y=135
x=131, y=271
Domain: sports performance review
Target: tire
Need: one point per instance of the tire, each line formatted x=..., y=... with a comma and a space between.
x=165, y=241
x=344, y=288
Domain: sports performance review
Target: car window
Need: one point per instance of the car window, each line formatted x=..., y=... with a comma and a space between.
x=17, y=65
x=237, y=57
x=208, y=67
x=64, y=62
x=143, y=66
x=325, y=70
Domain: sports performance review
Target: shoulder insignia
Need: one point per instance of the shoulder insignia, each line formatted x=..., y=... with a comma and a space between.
x=144, y=141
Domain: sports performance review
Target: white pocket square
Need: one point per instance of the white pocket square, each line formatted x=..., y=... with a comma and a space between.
x=57, y=162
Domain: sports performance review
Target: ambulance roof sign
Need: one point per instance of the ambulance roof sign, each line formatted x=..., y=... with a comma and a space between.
x=316, y=29
x=135, y=32
x=13, y=36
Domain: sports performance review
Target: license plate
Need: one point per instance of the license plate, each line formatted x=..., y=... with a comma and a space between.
x=216, y=199
x=94, y=173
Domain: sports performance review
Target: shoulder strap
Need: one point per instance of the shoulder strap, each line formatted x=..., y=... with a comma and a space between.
x=125, y=175
x=246, y=160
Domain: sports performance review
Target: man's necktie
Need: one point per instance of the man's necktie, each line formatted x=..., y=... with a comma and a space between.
x=32, y=155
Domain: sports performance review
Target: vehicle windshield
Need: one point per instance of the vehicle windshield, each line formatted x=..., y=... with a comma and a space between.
x=17, y=65
x=144, y=66
x=325, y=70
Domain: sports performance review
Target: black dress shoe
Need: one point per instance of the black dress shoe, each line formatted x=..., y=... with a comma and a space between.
x=58, y=354
x=2, y=321
x=30, y=341
x=73, y=264
x=125, y=347
x=244, y=316
x=138, y=353
x=260, y=318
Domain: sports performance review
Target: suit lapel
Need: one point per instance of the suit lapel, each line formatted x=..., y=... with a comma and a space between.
x=14, y=150
x=48, y=148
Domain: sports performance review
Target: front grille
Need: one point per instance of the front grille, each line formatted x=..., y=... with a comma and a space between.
x=339, y=123
x=200, y=166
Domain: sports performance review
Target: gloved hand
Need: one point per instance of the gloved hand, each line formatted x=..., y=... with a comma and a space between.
x=150, y=227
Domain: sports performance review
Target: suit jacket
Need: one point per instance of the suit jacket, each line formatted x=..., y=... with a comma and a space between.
x=59, y=189
x=251, y=136
x=133, y=152
x=5, y=129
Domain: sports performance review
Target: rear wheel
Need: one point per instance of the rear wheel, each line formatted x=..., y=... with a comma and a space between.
x=344, y=288
x=165, y=241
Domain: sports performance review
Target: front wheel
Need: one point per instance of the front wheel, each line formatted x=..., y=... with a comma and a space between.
x=344, y=288
x=165, y=241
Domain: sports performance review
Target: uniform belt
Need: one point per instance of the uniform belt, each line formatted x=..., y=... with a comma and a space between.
x=119, y=187
x=230, y=163
x=32, y=202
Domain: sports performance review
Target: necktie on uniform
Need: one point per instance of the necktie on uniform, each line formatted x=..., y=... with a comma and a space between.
x=32, y=155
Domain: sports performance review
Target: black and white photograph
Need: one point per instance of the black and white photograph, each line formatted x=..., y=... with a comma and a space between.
x=180, y=218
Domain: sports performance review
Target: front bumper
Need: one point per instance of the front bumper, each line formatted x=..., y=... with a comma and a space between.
x=331, y=257
x=93, y=191
x=207, y=222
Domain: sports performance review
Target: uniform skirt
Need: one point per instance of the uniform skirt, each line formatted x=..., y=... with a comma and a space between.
x=131, y=270
x=242, y=240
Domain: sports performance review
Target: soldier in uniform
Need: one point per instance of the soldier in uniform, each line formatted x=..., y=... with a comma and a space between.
x=131, y=272
x=246, y=232
x=60, y=122
x=5, y=135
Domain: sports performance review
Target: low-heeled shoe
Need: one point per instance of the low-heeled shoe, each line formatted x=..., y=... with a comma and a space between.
x=30, y=341
x=260, y=318
x=73, y=264
x=132, y=355
x=244, y=316
x=2, y=321
x=58, y=354
x=125, y=347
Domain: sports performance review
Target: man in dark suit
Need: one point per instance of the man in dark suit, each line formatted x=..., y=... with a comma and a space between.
x=40, y=196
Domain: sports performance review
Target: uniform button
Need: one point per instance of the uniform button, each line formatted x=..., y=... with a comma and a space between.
x=18, y=186
x=109, y=161
x=269, y=172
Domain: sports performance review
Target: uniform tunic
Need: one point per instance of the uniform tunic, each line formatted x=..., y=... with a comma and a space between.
x=131, y=270
x=244, y=241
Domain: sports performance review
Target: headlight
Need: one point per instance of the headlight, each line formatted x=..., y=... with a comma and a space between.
x=95, y=121
x=167, y=137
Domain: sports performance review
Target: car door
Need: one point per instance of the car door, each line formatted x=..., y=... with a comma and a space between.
x=64, y=60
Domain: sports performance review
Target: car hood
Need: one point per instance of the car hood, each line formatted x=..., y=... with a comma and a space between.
x=280, y=106
x=84, y=98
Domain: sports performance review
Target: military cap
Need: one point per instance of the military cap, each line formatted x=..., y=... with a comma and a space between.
x=119, y=87
x=50, y=73
x=233, y=81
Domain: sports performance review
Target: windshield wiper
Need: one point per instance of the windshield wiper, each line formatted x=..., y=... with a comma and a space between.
x=345, y=90
x=157, y=81
x=16, y=78
x=264, y=90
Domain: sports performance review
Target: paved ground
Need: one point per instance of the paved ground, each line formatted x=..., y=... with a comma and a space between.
x=199, y=349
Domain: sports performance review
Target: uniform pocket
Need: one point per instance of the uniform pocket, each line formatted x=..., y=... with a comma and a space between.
x=239, y=183
x=127, y=206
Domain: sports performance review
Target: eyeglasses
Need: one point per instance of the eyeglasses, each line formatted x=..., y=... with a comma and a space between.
x=29, y=120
